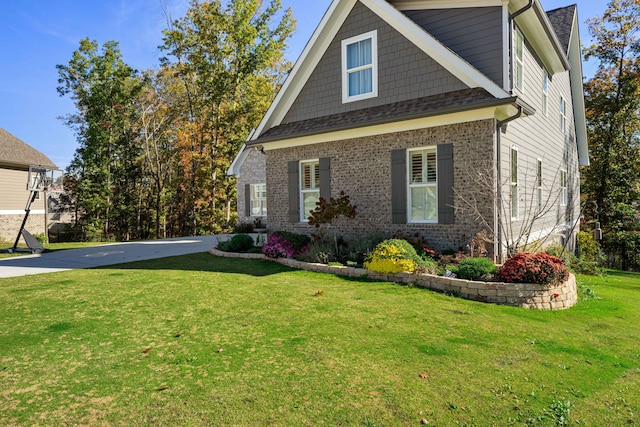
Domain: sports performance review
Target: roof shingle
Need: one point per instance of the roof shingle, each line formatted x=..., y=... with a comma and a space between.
x=562, y=22
x=465, y=99
x=15, y=152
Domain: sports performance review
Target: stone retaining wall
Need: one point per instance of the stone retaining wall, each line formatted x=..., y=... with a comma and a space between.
x=526, y=295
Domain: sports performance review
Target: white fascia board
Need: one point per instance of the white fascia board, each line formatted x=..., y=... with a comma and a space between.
x=539, y=32
x=234, y=168
x=460, y=68
x=442, y=4
x=577, y=93
x=311, y=55
x=394, y=127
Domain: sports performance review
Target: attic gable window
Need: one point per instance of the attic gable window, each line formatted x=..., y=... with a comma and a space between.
x=360, y=67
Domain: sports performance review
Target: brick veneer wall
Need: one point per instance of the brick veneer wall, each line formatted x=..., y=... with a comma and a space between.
x=361, y=167
x=526, y=295
x=251, y=172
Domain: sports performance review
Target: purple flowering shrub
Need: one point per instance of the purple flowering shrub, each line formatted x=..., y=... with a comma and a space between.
x=284, y=244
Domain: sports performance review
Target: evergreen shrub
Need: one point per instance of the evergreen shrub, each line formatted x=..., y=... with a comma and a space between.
x=540, y=268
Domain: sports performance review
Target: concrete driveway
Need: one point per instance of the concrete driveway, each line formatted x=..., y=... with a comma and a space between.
x=98, y=256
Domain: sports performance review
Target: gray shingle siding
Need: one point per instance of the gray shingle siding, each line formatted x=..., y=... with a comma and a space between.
x=473, y=33
x=404, y=72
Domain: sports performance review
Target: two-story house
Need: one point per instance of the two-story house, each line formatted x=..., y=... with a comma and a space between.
x=436, y=117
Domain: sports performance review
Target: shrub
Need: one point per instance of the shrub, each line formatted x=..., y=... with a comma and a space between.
x=358, y=249
x=284, y=244
x=320, y=251
x=238, y=243
x=393, y=256
x=243, y=227
x=476, y=268
x=556, y=249
x=537, y=268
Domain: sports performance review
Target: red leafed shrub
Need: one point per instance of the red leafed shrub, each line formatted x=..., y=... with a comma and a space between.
x=539, y=268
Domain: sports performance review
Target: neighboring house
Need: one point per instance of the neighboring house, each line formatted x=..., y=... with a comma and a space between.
x=15, y=158
x=441, y=118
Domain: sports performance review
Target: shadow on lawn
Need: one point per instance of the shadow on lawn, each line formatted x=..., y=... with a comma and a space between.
x=205, y=262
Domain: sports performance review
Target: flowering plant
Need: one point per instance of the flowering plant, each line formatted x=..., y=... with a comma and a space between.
x=428, y=253
x=283, y=244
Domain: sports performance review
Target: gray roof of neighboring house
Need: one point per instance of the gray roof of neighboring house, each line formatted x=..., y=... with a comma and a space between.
x=461, y=100
x=562, y=21
x=15, y=152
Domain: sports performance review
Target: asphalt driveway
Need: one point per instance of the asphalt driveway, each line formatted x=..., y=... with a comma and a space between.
x=98, y=256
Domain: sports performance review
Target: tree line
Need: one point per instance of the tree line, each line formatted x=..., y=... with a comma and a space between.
x=154, y=146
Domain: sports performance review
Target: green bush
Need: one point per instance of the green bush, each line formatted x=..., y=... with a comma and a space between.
x=556, y=249
x=238, y=243
x=476, y=268
x=393, y=256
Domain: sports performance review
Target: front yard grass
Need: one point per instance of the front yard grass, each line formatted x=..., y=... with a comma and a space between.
x=200, y=340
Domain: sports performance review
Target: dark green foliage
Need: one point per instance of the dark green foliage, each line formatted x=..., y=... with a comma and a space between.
x=243, y=227
x=238, y=243
x=476, y=268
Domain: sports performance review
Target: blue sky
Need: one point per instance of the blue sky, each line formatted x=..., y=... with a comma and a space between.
x=37, y=35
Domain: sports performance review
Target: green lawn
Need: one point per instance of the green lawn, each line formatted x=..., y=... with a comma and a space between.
x=199, y=340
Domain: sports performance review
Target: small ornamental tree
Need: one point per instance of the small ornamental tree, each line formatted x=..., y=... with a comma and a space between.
x=326, y=212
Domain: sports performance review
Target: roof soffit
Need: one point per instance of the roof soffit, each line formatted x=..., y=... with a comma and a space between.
x=325, y=33
x=539, y=32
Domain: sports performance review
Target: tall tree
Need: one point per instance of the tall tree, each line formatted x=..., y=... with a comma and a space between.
x=102, y=87
x=230, y=62
x=613, y=101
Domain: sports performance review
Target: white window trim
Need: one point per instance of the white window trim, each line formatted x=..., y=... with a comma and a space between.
x=513, y=187
x=373, y=35
x=545, y=93
x=518, y=62
x=563, y=115
x=410, y=220
x=564, y=180
x=304, y=216
x=261, y=200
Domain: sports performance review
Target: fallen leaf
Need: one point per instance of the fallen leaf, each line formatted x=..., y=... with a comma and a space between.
x=146, y=350
x=319, y=294
x=220, y=350
x=162, y=388
x=423, y=375
x=178, y=335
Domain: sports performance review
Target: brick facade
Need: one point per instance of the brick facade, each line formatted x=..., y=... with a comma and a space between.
x=361, y=167
x=252, y=171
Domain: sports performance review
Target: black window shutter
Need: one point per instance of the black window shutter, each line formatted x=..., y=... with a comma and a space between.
x=399, y=186
x=445, y=184
x=325, y=178
x=247, y=199
x=294, y=191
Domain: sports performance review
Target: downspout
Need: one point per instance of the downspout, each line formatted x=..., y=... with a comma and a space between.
x=521, y=11
x=497, y=241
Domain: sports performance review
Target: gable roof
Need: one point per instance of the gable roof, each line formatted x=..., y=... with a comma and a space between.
x=324, y=34
x=562, y=22
x=15, y=152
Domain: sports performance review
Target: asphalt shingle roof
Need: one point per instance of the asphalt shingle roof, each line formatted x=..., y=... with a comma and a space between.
x=562, y=22
x=465, y=99
x=15, y=152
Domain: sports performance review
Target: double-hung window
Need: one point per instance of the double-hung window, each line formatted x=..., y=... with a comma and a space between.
x=360, y=67
x=519, y=61
x=563, y=188
x=309, y=187
x=563, y=115
x=545, y=93
x=258, y=199
x=423, y=185
x=514, y=183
